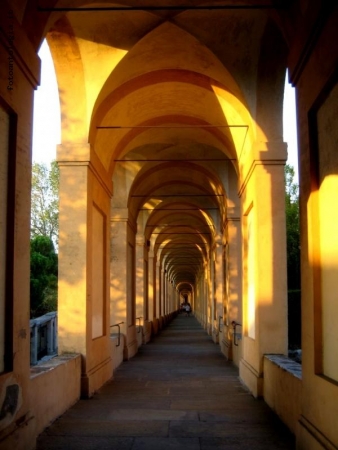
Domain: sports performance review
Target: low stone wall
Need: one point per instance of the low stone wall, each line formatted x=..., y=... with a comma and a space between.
x=283, y=387
x=55, y=387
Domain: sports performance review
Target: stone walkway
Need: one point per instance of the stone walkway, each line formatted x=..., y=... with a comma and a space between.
x=177, y=393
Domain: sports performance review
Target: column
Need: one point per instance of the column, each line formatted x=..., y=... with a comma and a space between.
x=139, y=273
x=83, y=310
x=264, y=264
x=232, y=306
x=122, y=275
x=219, y=289
x=158, y=289
x=151, y=286
x=162, y=291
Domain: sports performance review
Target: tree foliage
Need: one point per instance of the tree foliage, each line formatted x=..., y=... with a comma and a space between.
x=292, y=228
x=44, y=238
x=44, y=275
x=293, y=258
x=45, y=199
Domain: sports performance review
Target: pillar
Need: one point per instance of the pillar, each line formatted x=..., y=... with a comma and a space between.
x=139, y=274
x=151, y=290
x=83, y=310
x=158, y=289
x=264, y=263
x=218, y=288
x=122, y=276
x=162, y=291
x=232, y=308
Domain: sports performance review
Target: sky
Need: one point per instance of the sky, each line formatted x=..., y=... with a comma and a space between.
x=46, y=124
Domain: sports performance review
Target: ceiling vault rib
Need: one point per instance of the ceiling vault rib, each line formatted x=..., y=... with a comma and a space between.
x=177, y=246
x=177, y=209
x=162, y=8
x=182, y=257
x=178, y=195
x=177, y=225
x=178, y=234
x=175, y=160
x=117, y=127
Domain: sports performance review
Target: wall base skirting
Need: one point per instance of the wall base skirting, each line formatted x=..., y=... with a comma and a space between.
x=130, y=350
x=309, y=437
x=251, y=378
x=96, y=377
x=226, y=349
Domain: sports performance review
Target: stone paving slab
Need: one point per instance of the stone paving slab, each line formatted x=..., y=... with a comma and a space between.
x=166, y=443
x=239, y=416
x=178, y=393
x=244, y=443
x=219, y=430
x=216, y=403
x=84, y=443
x=112, y=413
x=91, y=428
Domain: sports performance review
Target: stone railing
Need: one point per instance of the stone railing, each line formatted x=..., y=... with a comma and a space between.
x=43, y=331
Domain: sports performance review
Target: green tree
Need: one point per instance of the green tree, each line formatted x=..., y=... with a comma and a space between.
x=44, y=275
x=45, y=199
x=292, y=228
x=293, y=257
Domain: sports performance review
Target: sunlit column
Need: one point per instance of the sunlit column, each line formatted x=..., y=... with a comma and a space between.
x=118, y=271
x=72, y=288
x=219, y=278
x=122, y=278
x=158, y=289
x=207, y=295
x=151, y=286
x=264, y=264
x=212, y=263
x=169, y=296
x=232, y=285
x=83, y=306
x=172, y=297
x=234, y=275
x=139, y=284
x=162, y=291
x=167, y=293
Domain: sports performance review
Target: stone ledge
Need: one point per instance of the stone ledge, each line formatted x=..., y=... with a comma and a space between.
x=51, y=364
x=287, y=364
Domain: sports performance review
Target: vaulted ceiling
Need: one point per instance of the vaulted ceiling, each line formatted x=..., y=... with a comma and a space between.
x=172, y=97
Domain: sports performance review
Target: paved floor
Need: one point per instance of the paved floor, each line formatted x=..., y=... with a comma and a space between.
x=177, y=393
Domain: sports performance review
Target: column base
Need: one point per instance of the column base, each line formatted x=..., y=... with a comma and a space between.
x=308, y=436
x=251, y=378
x=96, y=377
x=130, y=350
x=131, y=343
x=20, y=437
x=146, y=332
x=226, y=348
x=155, y=326
x=215, y=336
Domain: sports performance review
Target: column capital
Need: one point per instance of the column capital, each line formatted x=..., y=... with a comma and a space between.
x=219, y=239
x=73, y=152
x=139, y=240
x=262, y=154
x=82, y=154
